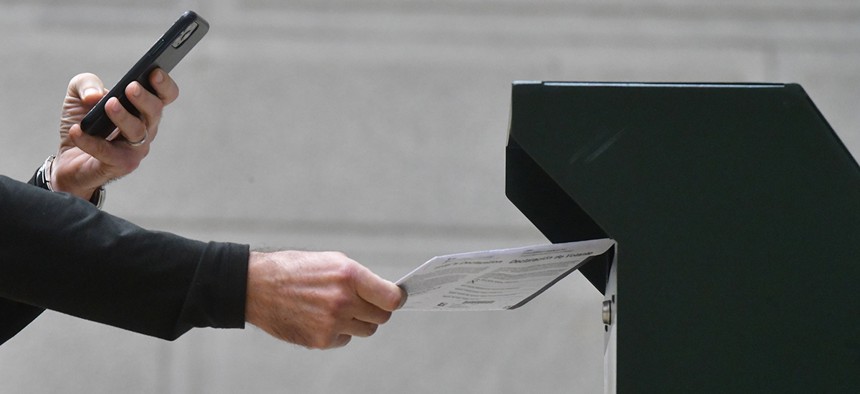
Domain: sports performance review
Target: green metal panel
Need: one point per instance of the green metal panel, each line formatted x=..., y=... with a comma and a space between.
x=737, y=215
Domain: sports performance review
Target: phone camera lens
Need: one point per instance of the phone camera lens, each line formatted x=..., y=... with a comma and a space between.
x=185, y=34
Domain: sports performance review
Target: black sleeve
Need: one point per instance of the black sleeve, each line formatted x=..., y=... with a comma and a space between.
x=14, y=316
x=61, y=253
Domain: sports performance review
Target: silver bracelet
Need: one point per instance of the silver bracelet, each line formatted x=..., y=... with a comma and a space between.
x=45, y=171
x=98, y=199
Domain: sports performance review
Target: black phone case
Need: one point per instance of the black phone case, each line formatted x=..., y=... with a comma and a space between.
x=188, y=30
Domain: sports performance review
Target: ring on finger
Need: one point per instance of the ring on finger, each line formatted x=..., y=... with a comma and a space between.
x=142, y=140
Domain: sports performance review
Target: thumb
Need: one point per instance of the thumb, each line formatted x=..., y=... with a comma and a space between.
x=87, y=87
x=96, y=147
x=378, y=291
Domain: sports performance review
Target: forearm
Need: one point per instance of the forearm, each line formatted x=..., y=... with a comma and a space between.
x=60, y=253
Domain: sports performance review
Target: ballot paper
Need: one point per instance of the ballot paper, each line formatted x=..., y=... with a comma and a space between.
x=494, y=279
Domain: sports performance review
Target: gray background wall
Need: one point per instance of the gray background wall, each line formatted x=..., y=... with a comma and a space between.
x=376, y=128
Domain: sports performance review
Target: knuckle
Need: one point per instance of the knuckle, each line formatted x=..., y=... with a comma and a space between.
x=338, y=302
x=322, y=341
x=343, y=272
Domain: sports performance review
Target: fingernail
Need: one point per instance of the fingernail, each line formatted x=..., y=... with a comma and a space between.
x=158, y=77
x=89, y=92
x=113, y=105
x=403, y=298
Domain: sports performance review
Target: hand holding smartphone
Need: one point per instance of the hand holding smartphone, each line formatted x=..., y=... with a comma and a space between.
x=188, y=30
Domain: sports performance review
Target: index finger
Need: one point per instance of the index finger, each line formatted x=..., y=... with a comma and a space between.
x=378, y=291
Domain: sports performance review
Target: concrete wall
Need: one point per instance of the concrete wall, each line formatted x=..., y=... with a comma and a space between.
x=376, y=128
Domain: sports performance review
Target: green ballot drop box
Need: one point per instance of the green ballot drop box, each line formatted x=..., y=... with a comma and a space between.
x=736, y=211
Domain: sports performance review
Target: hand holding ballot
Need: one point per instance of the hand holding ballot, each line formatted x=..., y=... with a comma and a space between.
x=322, y=300
x=317, y=299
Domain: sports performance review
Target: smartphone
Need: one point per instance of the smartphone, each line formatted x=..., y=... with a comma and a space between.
x=165, y=54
